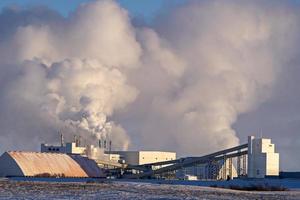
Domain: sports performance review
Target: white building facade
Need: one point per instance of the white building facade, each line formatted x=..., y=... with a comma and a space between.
x=144, y=157
x=262, y=159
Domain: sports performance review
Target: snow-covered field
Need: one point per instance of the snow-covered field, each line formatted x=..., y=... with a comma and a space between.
x=127, y=190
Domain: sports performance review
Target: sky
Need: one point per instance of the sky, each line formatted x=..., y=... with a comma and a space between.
x=197, y=77
x=148, y=9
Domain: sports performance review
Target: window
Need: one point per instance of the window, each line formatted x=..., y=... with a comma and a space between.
x=257, y=172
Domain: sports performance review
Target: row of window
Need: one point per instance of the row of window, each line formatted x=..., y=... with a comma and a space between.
x=53, y=149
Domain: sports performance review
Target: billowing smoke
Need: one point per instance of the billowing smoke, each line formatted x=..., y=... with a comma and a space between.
x=179, y=84
x=70, y=74
x=230, y=55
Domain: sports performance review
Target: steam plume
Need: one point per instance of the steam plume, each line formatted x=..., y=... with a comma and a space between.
x=178, y=85
x=72, y=73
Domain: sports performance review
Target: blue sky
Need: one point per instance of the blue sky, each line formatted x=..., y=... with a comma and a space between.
x=146, y=8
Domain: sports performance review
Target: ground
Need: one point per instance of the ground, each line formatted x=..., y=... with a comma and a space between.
x=127, y=190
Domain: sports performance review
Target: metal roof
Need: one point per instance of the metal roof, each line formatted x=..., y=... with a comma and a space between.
x=88, y=165
x=36, y=163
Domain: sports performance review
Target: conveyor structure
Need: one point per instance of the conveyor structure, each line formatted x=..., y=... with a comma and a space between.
x=152, y=169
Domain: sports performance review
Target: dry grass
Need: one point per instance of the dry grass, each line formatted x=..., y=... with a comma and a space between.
x=125, y=190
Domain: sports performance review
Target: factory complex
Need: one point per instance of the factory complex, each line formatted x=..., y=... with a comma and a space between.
x=255, y=159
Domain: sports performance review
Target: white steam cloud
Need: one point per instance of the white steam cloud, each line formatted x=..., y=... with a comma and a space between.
x=74, y=73
x=178, y=85
x=231, y=54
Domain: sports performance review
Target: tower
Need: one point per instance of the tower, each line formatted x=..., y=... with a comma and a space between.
x=262, y=159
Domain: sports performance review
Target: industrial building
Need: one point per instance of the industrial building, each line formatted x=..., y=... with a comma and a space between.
x=17, y=163
x=262, y=162
x=262, y=159
x=68, y=148
x=73, y=148
x=144, y=157
x=102, y=154
x=255, y=159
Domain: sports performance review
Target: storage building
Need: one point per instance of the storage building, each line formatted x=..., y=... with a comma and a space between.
x=19, y=163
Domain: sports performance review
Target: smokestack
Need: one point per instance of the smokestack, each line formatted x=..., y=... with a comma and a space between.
x=62, y=140
x=109, y=146
x=104, y=144
x=79, y=141
x=76, y=140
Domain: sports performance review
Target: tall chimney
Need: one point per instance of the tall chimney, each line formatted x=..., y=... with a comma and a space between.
x=62, y=140
x=76, y=140
x=79, y=141
x=109, y=146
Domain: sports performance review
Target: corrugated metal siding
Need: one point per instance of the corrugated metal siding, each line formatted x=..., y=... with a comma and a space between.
x=34, y=163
